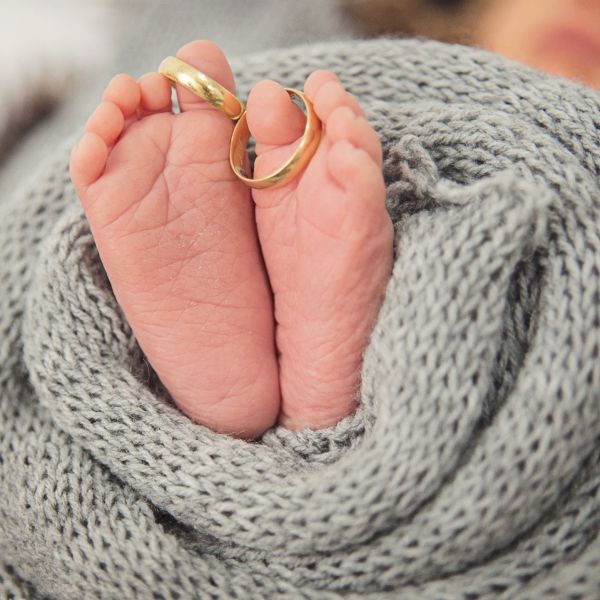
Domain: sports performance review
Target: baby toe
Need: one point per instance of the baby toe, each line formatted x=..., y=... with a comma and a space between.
x=355, y=171
x=88, y=160
x=332, y=95
x=210, y=60
x=155, y=91
x=123, y=91
x=273, y=119
x=107, y=122
x=344, y=124
x=316, y=80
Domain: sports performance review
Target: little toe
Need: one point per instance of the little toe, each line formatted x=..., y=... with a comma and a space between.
x=107, y=122
x=354, y=170
x=155, y=91
x=88, y=160
x=330, y=96
x=273, y=118
x=207, y=57
x=123, y=91
x=344, y=124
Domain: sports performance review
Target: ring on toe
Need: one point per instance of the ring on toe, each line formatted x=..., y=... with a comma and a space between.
x=215, y=94
x=294, y=165
x=208, y=89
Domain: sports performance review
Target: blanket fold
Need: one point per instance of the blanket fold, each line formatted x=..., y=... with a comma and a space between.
x=472, y=467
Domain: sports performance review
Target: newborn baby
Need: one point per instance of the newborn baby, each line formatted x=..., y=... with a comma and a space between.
x=252, y=307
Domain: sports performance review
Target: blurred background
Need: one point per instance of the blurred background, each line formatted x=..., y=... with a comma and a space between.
x=58, y=56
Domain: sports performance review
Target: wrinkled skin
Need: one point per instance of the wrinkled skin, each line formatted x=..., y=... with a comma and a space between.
x=248, y=316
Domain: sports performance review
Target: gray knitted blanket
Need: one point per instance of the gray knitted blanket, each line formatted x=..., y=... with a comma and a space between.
x=471, y=469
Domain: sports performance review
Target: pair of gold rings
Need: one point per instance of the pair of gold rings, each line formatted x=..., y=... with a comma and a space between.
x=214, y=93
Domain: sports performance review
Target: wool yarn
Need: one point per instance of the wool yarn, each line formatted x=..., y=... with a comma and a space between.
x=472, y=467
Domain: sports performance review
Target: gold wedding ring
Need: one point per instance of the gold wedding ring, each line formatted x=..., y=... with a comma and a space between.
x=214, y=93
x=208, y=89
x=294, y=165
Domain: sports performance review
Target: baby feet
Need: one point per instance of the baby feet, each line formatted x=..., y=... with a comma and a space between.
x=177, y=234
x=326, y=238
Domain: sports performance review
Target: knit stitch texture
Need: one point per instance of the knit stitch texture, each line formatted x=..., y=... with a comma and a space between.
x=472, y=467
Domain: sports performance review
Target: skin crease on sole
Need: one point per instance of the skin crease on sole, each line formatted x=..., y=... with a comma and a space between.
x=181, y=242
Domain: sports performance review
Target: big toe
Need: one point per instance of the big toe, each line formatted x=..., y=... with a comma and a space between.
x=273, y=118
x=208, y=58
